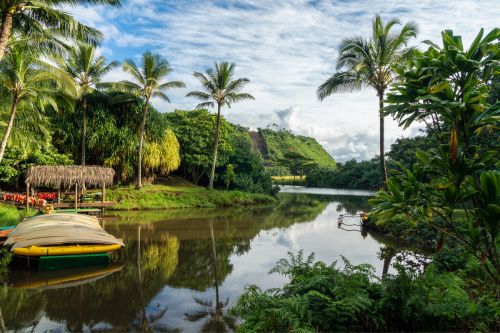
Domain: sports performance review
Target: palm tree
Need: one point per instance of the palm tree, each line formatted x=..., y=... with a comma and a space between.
x=370, y=63
x=45, y=19
x=148, y=84
x=220, y=89
x=86, y=69
x=32, y=84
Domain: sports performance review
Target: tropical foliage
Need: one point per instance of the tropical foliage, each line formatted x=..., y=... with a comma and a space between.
x=149, y=83
x=283, y=151
x=364, y=175
x=220, y=89
x=341, y=298
x=370, y=63
x=30, y=84
x=453, y=188
x=45, y=23
x=86, y=69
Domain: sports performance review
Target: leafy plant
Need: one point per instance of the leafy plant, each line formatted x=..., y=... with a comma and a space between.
x=221, y=89
x=370, y=63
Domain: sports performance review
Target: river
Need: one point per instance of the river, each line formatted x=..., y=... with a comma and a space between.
x=181, y=270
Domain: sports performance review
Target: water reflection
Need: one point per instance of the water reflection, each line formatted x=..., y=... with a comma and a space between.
x=183, y=269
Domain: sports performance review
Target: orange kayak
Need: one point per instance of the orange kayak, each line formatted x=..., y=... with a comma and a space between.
x=5, y=233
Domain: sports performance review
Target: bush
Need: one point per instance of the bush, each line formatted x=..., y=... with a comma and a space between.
x=350, y=175
x=327, y=298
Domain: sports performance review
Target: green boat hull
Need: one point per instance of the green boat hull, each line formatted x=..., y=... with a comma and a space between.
x=51, y=263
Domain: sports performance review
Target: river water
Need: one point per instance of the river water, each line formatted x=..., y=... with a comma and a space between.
x=181, y=270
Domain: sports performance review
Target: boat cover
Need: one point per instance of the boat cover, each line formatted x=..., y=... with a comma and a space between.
x=57, y=229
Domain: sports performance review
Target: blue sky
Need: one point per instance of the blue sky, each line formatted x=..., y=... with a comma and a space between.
x=286, y=48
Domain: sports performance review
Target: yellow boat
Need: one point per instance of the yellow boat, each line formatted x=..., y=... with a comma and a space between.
x=38, y=251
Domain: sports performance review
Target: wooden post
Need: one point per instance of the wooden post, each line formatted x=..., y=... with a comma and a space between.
x=27, y=196
x=76, y=197
x=103, y=199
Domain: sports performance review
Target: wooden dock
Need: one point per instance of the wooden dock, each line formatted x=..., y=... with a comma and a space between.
x=92, y=204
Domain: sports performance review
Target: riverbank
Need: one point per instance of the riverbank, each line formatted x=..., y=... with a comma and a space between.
x=181, y=196
x=10, y=215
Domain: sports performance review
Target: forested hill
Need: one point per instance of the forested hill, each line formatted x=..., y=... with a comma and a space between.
x=281, y=148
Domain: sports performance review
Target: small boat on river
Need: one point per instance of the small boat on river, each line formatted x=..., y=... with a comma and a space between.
x=60, y=230
x=62, y=240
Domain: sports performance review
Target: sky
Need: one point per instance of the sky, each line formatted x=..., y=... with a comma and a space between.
x=286, y=48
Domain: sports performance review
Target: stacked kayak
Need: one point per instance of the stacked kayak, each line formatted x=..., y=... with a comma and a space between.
x=62, y=240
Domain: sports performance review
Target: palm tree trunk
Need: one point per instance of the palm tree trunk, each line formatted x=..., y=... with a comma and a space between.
x=10, y=124
x=383, y=170
x=5, y=32
x=84, y=127
x=216, y=148
x=141, y=144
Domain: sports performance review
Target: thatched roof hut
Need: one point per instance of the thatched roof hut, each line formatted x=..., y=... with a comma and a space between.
x=57, y=176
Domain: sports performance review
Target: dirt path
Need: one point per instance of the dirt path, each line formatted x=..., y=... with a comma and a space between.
x=258, y=144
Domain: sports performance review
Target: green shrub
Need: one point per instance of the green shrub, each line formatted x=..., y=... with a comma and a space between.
x=327, y=298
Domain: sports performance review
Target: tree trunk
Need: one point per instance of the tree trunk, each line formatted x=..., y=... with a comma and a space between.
x=216, y=148
x=218, y=310
x=10, y=124
x=5, y=32
x=383, y=170
x=141, y=143
x=84, y=127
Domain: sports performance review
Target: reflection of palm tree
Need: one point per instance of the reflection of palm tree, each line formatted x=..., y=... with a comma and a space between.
x=148, y=323
x=2, y=322
x=387, y=253
x=216, y=322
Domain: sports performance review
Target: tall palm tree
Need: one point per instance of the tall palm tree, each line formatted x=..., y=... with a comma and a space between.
x=86, y=69
x=220, y=89
x=370, y=63
x=46, y=19
x=149, y=83
x=26, y=81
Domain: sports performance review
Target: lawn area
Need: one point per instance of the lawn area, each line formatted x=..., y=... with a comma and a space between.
x=289, y=180
x=180, y=196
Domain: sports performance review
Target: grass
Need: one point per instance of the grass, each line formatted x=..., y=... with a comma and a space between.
x=182, y=195
x=289, y=180
x=10, y=215
x=278, y=143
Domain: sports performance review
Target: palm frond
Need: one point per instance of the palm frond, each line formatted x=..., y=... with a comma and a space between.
x=205, y=105
x=130, y=67
x=66, y=26
x=171, y=84
x=199, y=95
x=339, y=82
x=161, y=95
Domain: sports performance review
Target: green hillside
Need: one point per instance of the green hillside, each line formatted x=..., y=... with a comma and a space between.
x=274, y=146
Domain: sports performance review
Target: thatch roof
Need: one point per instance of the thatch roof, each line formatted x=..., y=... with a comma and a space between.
x=68, y=175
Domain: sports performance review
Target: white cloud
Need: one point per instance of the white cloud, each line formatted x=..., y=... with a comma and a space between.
x=286, y=48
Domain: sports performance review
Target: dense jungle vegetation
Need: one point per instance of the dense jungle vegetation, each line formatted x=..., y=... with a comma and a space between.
x=445, y=196
x=56, y=109
x=287, y=154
